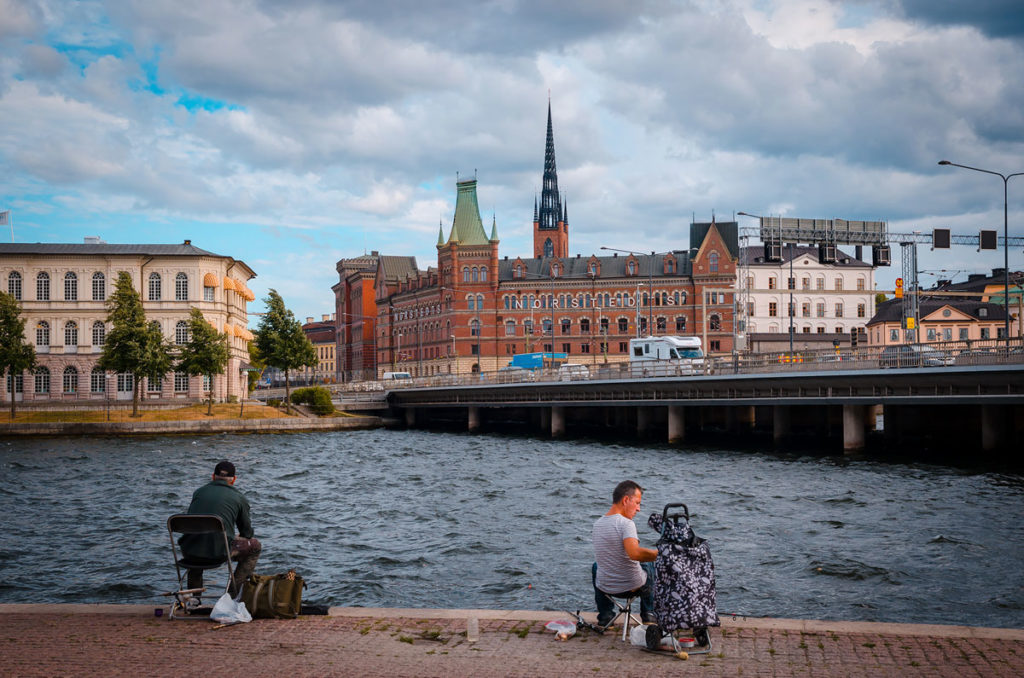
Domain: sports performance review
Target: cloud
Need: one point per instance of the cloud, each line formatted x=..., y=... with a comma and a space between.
x=996, y=18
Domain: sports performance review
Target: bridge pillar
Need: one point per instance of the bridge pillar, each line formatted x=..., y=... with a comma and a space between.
x=744, y=418
x=557, y=421
x=410, y=417
x=545, y=419
x=780, y=422
x=643, y=421
x=676, y=424
x=993, y=427
x=474, y=418
x=855, y=421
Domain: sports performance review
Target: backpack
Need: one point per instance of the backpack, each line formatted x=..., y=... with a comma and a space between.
x=273, y=596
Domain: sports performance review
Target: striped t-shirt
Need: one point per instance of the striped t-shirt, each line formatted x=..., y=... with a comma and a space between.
x=616, y=573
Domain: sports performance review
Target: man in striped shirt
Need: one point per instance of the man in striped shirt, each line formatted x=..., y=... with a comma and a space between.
x=623, y=567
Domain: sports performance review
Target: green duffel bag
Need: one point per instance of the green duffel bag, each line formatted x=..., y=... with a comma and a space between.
x=273, y=596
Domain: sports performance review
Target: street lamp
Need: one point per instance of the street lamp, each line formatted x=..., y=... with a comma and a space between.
x=1006, y=241
x=791, y=284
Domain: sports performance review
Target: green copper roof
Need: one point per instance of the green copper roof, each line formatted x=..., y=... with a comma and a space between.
x=494, y=229
x=467, y=228
x=440, y=235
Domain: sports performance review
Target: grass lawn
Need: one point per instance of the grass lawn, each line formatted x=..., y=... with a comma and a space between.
x=122, y=412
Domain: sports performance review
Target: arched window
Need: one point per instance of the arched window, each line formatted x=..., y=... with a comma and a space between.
x=70, y=379
x=42, y=380
x=465, y=274
x=713, y=262
x=527, y=327
x=43, y=286
x=680, y=324
x=661, y=324
x=71, y=333
x=508, y=303
x=510, y=328
x=555, y=270
x=483, y=274
x=479, y=302
x=632, y=268
x=714, y=323
x=155, y=287
x=675, y=297
x=472, y=303
x=43, y=333
x=181, y=287
x=99, y=333
x=181, y=333
x=99, y=287
x=474, y=327
x=549, y=248
x=97, y=381
x=476, y=274
x=14, y=285
x=519, y=270
x=70, y=286
x=623, y=325
x=593, y=268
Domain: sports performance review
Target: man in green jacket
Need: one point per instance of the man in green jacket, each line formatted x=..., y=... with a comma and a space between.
x=220, y=498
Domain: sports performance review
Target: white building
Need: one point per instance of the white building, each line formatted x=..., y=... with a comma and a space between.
x=827, y=298
x=64, y=288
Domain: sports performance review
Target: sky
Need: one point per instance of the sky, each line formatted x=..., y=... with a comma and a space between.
x=293, y=134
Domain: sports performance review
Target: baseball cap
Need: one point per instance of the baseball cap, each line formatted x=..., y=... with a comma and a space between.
x=225, y=469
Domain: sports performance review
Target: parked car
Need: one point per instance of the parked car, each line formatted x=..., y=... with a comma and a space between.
x=913, y=355
x=573, y=372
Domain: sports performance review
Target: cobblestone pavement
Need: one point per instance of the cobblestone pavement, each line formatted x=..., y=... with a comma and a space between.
x=79, y=642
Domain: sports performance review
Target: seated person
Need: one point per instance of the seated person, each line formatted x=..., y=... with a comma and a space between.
x=220, y=498
x=623, y=567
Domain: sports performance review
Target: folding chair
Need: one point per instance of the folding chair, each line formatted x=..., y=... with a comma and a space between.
x=196, y=524
x=623, y=608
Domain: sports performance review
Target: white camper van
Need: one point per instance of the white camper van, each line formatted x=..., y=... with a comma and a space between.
x=665, y=356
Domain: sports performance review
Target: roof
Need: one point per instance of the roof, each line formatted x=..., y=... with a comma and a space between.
x=398, y=268
x=651, y=266
x=186, y=249
x=752, y=253
x=978, y=282
x=729, y=230
x=892, y=310
x=467, y=227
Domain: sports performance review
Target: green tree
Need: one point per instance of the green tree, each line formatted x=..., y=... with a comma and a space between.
x=132, y=345
x=281, y=341
x=879, y=298
x=205, y=353
x=256, y=360
x=16, y=354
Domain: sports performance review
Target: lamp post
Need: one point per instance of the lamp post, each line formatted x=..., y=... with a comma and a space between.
x=451, y=356
x=1006, y=241
x=791, y=284
x=108, y=376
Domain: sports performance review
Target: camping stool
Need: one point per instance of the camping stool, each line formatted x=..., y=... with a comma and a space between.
x=198, y=524
x=623, y=608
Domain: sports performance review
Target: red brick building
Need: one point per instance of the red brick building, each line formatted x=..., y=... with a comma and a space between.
x=475, y=310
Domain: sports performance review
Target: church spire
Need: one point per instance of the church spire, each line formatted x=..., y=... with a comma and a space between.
x=550, y=203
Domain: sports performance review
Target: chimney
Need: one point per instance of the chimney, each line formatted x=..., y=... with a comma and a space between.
x=326, y=317
x=309, y=319
x=971, y=277
x=188, y=242
x=998, y=272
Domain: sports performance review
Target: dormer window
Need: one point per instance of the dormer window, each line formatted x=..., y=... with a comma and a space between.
x=631, y=268
x=982, y=312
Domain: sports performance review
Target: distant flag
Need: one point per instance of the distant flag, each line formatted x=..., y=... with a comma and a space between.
x=5, y=217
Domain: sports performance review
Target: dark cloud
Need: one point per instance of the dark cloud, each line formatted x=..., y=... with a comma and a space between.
x=995, y=18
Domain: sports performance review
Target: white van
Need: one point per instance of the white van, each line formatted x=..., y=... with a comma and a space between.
x=665, y=356
x=397, y=376
x=573, y=372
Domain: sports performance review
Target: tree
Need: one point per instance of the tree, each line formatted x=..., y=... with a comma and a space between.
x=205, y=353
x=281, y=341
x=132, y=345
x=16, y=354
x=879, y=298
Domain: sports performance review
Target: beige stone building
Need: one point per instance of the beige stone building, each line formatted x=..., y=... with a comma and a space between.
x=64, y=288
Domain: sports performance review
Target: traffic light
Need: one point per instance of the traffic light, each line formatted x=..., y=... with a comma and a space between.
x=853, y=337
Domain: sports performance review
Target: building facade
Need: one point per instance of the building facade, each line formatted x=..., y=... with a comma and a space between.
x=64, y=288
x=476, y=309
x=323, y=335
x=833, y=298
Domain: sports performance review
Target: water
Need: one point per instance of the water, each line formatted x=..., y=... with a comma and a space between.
x=419, y=519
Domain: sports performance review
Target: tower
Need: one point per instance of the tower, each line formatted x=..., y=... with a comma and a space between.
x=550, y=221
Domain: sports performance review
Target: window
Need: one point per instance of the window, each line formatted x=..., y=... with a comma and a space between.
x=714, y=323
x=567, y=348
x=643, y=325
x=527, y=328
x=839, y=310
x=681, y=324
x=1000, y=332
x=555, y=269
x=43, y=286
x=97, y=381
x=661, y=324
x=773, y=309
x=860, y=284
x=839, y=284
x=715, y=345
x=519, y=270
x=623, y=325
x=510, y=328
x=821, y=309
x=208, y=293
x=713, y=262
x=805, y=283
x=479, y=302
x=985, y=333
x=772, y=283
x=70, y=334
x=155, y=287
x=821, y=330
x=43, y=333
x=584, y=325
x=471, y=303
x=181, y=287
x=566, y=326
x=549, y=248
x=947, y=334
x=474, y=328
x=604, y=325
x=14, y=285
x=99, y=333
x=483, y=274
x=584, y=348
x=70, y=286
x=70, y=379
x=791, y=310
x=861, y=310
x=545, y=326
x=963, y=334
x=207, y=383
x=819, y=283
x=181, y=333
x=632, y=268
x=623, y=346
x=42, y=380
x=791, y=283
x=19, y=383
x=99, y=287
x=805, y=309
x=931, y=334
x=894, y=335
x=154, y=385
x=475, y=274
x=180, y=381
x=593, y=268
x=806, y=330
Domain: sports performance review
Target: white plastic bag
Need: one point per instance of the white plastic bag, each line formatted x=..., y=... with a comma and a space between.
x=564, y=630
x=638, y=636
x=230, y=611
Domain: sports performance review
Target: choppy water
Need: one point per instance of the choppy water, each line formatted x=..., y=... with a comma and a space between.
x=418, y=519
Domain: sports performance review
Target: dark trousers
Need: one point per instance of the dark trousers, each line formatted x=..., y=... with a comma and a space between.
x=605, y=607
x=245, y=552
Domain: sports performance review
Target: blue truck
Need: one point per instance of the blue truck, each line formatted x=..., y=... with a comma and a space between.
x=537, y=361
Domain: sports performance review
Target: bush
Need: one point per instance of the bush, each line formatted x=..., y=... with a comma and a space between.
x=274, y=402
x=302, y=396
x=320, y=402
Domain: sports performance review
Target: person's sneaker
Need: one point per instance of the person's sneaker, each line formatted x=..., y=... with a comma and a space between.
x=603, y=622
x=649, y=618
x=653, y=636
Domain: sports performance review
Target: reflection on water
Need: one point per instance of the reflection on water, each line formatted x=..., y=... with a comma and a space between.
x=418, y=519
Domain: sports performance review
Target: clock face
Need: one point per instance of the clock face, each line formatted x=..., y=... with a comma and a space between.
x=946, y=313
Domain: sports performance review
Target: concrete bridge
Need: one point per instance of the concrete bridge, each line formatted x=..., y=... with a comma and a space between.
x=967, y=408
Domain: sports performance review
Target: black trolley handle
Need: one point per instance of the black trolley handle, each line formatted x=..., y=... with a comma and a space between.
x=664, y=513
